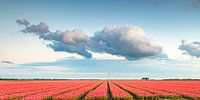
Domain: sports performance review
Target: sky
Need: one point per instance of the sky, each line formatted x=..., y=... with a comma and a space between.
x=100, y=39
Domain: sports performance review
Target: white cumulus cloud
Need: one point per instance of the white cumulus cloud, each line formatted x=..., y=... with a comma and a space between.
x=191, y=48
x=126, y=41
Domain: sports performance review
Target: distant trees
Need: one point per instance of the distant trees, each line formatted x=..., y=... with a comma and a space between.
x=145, y=78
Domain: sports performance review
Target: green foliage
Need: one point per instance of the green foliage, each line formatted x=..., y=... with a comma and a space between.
x=148, y=98
x=48, y=98
x=122, y=98
x=78, y=98
x=97, y=98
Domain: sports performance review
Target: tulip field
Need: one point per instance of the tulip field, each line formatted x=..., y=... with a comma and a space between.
x=99, y=90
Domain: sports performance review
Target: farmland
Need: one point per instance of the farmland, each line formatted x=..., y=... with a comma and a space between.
x=99, y=90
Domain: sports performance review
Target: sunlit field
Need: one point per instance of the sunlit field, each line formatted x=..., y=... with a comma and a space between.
x=99, y=90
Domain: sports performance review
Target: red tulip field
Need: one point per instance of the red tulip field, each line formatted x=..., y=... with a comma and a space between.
x=99, y=90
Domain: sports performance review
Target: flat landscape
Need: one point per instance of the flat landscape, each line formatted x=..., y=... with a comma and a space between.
x=99, y=49
x=99, y=90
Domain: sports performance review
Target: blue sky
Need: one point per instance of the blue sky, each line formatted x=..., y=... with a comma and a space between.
x=146, y=29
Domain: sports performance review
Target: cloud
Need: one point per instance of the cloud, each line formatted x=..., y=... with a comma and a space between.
x=195, y=3
x=22, y=22
x=128, y=41
x=39, y=29
x=125, y=41
x=54, y=68
x=185, y=5
x=191, y=5
x=7, y=62
x=191, y=48
x=77, y=48
x=74, y=41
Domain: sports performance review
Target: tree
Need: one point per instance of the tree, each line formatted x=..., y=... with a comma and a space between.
x=145, y=78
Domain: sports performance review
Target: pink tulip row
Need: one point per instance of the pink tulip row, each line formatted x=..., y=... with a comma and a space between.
x=37, y=90
x=186, y=88
x=99, y=92
x=16, y=88
x=40, y=89
x=165, y=88
x=192, y=86
x=57, y=91
x=22, y=90
x=145, y=91
x=136, y=91
x=118, y=92
x=76, y=93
